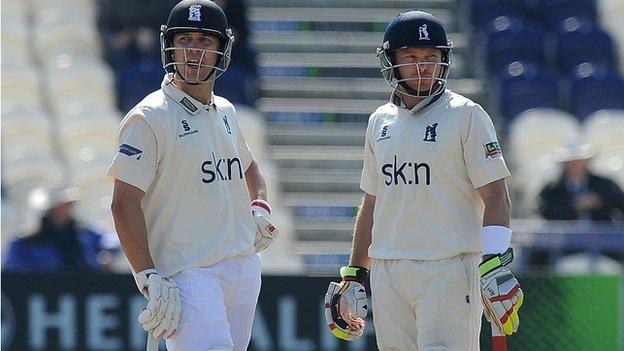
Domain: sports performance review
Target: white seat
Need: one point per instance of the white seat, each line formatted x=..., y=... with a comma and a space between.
x=15, y=49
x=14, y=11
x=17, y=147
x=74, y=8
x=20, y=86
x=89, y=83
x=26, y=122
x=609, y=161
x=74, y=40
x=88, y=149
x=540, y=130
x=20, y=176
x=605, y=128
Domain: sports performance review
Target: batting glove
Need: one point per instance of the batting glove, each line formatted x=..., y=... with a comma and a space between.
x=346, y=305
x=265, y=230
x=161, y=315
x=501, y=292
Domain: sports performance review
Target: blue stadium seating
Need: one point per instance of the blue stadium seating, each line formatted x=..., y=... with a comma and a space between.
x=578, y=43
x=525, y=85
x=552, y=12
x=484, y=11
x=512, y=39
x=595, y=88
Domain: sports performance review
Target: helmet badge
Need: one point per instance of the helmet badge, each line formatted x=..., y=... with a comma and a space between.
x=422, y=32
x=194, y=13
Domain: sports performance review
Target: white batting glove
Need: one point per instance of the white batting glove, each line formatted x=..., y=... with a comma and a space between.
x=346, y=305
x=265, y=230
x=501, y=292
x=161, y=315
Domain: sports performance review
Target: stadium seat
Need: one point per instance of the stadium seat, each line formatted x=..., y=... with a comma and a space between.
x=13, y=11
x=510, y=39
x=609, y=161
x=15, y=46
x=524, y=86
x=484, y=11
x=605, y=128
x=87, y=83
x=21, y=86
x=552, y=12
x=26, y=122
x=595, y=88
x=20, y=176
x=534, y=135
x=577, y=44
x=74, y=40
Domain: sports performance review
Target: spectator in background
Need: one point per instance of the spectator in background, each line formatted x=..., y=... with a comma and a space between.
x=60, y=243
x=579, y=194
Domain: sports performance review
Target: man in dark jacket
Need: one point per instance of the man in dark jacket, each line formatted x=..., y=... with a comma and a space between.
x=579, y=194
x=60, y=243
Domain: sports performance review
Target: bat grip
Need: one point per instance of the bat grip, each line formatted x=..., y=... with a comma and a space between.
x=499, y=340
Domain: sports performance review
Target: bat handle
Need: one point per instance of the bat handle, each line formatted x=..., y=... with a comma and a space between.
x=152, y=343
x=499, y=340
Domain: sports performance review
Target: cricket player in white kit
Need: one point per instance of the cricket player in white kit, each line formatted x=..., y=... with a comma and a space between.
x=189, y=201
x=434, y=223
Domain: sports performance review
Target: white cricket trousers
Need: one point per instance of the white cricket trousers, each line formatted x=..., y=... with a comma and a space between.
x=218, y=304
x=427, y=305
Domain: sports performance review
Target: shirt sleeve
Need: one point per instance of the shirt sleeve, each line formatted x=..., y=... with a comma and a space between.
x=244, y=152
x=482, y=152
x=136, y=160
x=369, y=183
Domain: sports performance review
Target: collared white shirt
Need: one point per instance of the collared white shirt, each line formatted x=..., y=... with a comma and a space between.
x=424, y=169
x=190, y=160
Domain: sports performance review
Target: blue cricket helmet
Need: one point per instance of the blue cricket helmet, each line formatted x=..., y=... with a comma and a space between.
x=414, y=29
x=203, y=16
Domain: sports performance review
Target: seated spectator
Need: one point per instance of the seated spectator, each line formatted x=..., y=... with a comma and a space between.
x=579, y=194
x=60, y=243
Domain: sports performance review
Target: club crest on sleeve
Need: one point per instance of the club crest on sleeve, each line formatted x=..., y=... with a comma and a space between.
x=493, y=149
x=431, y=133
x=130, y=151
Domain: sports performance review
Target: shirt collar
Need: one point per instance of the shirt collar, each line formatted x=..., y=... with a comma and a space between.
x=183, y=99
x=395, y=98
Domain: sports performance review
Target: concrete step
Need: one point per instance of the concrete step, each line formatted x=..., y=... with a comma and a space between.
x=318, y=157
x=404, y=4
x=353, y=65
x=297, y=199
x=330, y=41
x=334, y=231
x=345, y=134
x=333, y=18
x=321, y=180
x=317, y=110
x=351, y=88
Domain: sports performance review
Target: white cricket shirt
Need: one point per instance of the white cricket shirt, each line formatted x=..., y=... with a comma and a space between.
x=190, y=160
x=424, y=169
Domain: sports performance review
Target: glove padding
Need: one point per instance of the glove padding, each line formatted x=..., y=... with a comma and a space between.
x=161, y=316
x=346, y=307
x=501, y=293
x=266, y=231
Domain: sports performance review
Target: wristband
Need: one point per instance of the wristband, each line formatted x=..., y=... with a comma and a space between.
x=355, y=273
x=262, y=207
x=142, y=276
x=496, y=239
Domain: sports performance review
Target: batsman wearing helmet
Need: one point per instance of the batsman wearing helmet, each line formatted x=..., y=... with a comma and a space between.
x=433, y=227
x=189, y=201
